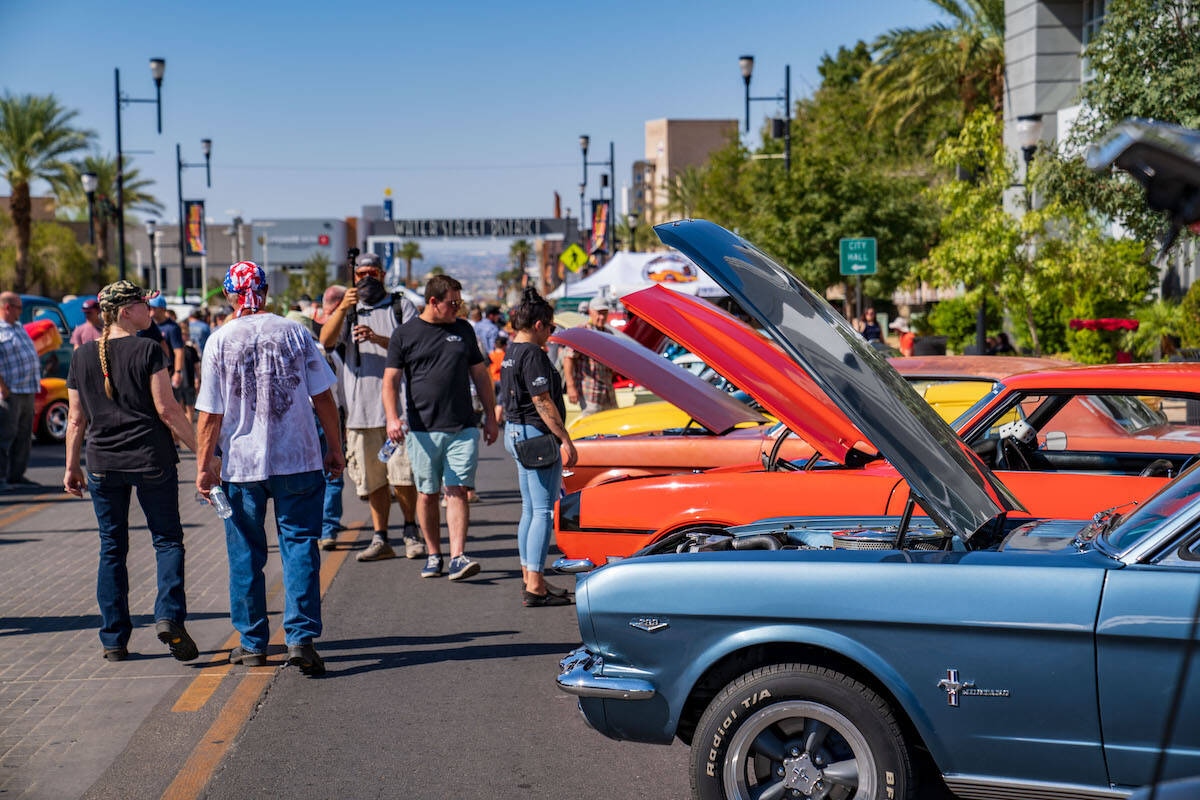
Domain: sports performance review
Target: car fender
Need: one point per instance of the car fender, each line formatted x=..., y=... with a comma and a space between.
x=617, y=474
x=823, y=638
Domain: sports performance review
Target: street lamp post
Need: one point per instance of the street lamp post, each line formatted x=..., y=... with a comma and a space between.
x=180, y=166
x=746, y=65
x=152, y=233
x=157, y=67
x=90, y=183
x=1029, y=133
x=633, y=220
x=611, y=179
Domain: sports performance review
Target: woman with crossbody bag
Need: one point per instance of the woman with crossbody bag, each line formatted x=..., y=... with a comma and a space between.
x=531, y=393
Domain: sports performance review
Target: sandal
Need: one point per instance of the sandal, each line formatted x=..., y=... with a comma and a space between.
x=531, y=600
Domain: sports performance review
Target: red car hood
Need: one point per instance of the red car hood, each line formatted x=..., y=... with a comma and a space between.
x=714, y=409
x=758, y=367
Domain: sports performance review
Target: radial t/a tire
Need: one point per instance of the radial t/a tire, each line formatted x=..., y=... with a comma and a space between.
x=812, y=729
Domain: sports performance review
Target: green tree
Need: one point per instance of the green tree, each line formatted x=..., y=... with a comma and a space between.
x=36, y=138
x=437, y=269
x=312, y=279
x=920, y=72
x=1144, y=63
x=135, y=188
x=58, y=263
x=845, y=181
x=955, y=319
x=1058, y=254
x=410, y=251
x=519, y=254
x=1159, y=324
x=685, y=190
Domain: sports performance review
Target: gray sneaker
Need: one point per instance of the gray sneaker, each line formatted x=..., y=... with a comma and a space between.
x=329, y=543
x=414, y=546
x=462, y=567
x=377, y=550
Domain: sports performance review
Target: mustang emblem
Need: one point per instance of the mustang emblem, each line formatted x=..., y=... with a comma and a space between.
x=956, y=689
x=649, y=624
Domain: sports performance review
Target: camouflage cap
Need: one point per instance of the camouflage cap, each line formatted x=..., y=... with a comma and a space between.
x=122, y=293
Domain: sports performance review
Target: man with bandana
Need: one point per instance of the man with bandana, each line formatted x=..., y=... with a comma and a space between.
x=363, y=323
x=264, y=376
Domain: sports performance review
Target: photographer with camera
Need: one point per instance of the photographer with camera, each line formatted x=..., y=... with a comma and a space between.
x=364, y=322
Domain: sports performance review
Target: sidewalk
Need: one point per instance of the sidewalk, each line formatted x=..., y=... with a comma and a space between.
x=65, y=713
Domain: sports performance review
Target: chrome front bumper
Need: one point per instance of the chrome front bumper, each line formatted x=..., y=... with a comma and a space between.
x=579, y=674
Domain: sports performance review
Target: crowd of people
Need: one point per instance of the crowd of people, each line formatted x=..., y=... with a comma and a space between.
x=401, y=399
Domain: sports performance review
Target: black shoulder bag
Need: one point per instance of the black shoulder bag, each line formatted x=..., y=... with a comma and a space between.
x=538, y=452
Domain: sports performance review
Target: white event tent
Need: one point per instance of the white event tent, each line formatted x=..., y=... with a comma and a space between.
x=628, y=272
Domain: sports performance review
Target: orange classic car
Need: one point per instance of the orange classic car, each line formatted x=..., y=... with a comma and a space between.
x=1067, y=442
x=723, y=431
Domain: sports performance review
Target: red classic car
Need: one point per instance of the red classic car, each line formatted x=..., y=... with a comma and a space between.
x=1067, y=442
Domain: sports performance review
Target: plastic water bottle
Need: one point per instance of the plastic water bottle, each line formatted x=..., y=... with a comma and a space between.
x=220, y=503
x=386, y=451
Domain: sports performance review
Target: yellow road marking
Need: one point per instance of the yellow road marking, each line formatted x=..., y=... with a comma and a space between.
x=204, y=759
x=205, y=684
x=21, y=513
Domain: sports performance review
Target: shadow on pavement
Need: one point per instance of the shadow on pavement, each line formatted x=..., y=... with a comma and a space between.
x=413, y=658
x=408, y=641
x=17, y=626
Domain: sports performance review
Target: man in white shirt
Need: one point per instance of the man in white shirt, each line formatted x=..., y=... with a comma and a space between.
x=260, y=373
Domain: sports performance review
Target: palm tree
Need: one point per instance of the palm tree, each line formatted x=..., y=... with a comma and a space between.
x=918, y=70
x=36, y=136
x=135, y=188
x=410, y=252
x=684, y=191
x=519, y=254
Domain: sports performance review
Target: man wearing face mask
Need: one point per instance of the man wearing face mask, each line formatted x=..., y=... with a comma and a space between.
x=363, y=322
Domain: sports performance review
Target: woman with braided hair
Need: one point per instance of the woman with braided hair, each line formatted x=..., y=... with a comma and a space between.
x=120, y=394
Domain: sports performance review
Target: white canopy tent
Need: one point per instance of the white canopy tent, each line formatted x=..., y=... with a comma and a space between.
x=628, y=272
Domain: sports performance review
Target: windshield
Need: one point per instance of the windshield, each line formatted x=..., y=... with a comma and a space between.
x=1168, y=501
x=1129, y=412
x=982, y=403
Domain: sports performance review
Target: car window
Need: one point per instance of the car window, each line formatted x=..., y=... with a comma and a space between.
x=50, y=312
x=1169, y=500
x=1101, y=421
x=1018, y=407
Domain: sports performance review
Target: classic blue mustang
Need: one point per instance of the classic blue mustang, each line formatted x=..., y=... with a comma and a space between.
x=856, y=658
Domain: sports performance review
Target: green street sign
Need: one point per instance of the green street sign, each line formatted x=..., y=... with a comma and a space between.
x=858, y=256
x=573, y=258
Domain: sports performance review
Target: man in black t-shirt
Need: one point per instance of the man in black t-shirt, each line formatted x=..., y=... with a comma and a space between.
x=439, y=355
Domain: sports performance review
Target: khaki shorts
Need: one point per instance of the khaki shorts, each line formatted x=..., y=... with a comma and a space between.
x=363, y=464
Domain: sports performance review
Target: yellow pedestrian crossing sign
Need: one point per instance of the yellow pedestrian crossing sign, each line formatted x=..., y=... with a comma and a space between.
x=573, y=258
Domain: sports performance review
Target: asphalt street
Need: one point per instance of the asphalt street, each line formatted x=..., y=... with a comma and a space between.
x=435, y=689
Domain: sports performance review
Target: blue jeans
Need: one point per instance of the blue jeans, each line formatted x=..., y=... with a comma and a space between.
x=331, y=516
x=298, y=500
x=539, y=490
x=158, y=494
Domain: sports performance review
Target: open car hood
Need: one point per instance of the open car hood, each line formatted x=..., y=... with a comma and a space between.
x=716, y=410
x=751, y=362
x=952, y=484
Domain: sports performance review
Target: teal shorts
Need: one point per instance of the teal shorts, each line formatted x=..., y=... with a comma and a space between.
x=438, y=458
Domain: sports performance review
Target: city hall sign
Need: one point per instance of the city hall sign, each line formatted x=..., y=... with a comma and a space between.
x=500, y=227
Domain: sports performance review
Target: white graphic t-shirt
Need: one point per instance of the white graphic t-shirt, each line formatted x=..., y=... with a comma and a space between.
x=259, y=372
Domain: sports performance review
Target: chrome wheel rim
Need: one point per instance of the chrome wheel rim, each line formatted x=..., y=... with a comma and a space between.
x=56, y=422
x=799, y=748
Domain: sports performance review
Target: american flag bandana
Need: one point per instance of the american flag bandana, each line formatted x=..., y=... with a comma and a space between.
x=247, y=280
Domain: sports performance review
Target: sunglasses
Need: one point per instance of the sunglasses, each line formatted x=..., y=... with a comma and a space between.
x=455, y=304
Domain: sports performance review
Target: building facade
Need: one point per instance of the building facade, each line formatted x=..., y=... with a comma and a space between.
x=671, y=146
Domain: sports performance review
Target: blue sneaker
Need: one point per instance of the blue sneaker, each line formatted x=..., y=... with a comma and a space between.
x=433, y=567
x=462, y=567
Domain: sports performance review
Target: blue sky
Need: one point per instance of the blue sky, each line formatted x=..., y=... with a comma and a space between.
x=463, y=109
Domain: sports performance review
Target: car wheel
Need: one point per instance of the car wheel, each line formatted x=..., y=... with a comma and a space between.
x=53, y=426
x=797, y=730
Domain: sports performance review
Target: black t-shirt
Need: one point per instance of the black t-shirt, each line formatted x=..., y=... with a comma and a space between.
x=525, y=371
x=174, y=339
x=436, y=359
x=191, y=363
x=124, y=433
